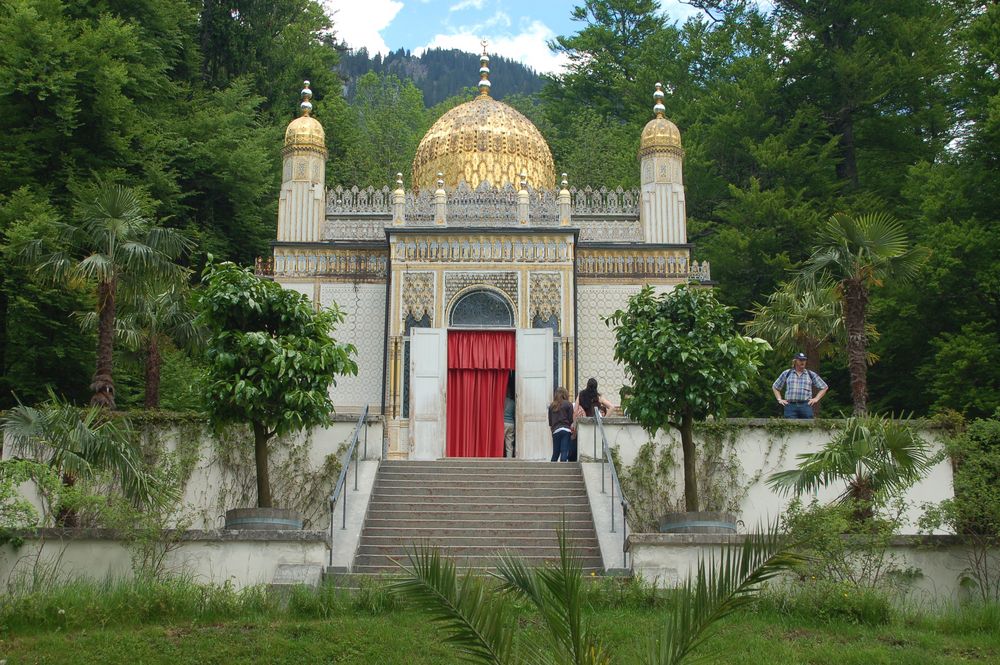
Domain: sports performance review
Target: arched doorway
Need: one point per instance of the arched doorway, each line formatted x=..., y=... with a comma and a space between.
x=481, y=358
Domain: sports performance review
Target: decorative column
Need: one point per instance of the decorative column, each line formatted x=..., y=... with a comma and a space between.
x=440, y=203
x=522, y=200
x=302, y=202
x=662, y=213
x=564, y=202
x=399, y=202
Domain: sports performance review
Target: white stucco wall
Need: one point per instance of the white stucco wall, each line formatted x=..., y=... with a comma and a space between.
x=760, y=451
x=239, y=558
x=212, y=488
x=939, y=562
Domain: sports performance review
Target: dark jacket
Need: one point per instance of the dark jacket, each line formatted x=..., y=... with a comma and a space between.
x=561, y=417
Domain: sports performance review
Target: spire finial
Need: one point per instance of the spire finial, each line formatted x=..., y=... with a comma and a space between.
x=307, y=94
x=565, y=181
x=484, y=72
x=658, y=108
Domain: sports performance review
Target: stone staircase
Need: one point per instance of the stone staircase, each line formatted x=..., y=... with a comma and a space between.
x=473, y=508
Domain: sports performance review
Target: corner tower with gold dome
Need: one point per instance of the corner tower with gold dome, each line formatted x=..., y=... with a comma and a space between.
x=485, y=265
x=301, y=207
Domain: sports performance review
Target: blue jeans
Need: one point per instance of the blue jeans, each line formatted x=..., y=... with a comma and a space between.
x=798, y=411
x=560, y=446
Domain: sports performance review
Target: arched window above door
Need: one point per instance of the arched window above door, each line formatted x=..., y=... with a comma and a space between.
x=481, y=308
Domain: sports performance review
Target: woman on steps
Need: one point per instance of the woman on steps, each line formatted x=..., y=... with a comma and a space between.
x=560, y=422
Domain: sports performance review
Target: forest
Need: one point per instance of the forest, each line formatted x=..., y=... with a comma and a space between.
x=789, y=114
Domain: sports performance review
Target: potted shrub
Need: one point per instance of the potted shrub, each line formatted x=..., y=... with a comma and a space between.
x=683, y=360
x=271, y=363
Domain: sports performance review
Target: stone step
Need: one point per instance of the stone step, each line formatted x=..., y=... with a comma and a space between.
x=374, y=544
x=479, y=462
x=457, y=550
x=379, y=564
x=498, y=493
x=499, y=469
x=471, y=510
x=410, y=521
x=485, y=482
x=442, y=508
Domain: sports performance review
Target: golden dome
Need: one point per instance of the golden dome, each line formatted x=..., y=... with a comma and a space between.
x=483, y=140
x=659, y=134
x=305, y=132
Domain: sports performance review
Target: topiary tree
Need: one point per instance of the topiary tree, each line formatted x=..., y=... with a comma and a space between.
x=271, y=358
x=684, y=360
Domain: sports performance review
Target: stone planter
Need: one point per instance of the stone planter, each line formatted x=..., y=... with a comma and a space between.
x=263, y=519
x=699, y=522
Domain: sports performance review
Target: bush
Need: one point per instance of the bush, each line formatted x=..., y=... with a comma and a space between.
x=974, y=512
x=320, y=603
x=830, y=601
x=375, y=597
x=623, y=593
x=84, y=602
x=842, y=550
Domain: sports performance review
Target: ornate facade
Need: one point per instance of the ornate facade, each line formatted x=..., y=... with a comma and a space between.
x=484, y=239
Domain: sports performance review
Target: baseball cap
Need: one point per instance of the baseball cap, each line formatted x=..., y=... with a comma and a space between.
x=800, y=356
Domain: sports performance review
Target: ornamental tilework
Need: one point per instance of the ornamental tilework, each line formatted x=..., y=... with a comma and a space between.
x=504, y=281
x=418, y=294
x=545, y=295
x=364, y=327
x=595, y=340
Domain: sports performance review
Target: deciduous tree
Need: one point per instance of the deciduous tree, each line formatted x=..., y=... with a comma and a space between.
x=683, y=361
x=271, y=359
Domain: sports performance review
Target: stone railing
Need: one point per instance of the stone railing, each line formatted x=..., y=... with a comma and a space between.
x=483, y=206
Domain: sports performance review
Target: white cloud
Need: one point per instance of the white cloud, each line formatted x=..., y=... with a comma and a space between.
x=466, y=4
x=358, y=24
x=527, y=46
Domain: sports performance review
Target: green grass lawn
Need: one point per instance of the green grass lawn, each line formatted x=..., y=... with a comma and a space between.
x=403, y=636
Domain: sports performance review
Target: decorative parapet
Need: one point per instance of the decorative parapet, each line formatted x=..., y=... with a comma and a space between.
x=640, y=263
x=609, y=230
x=484, y=205
x=482, y=248
x=264, y=267
x=355, y=201
x=353, y=264
x=604, y=201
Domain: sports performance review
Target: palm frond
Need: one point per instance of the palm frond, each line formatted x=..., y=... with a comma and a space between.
x=79, y=441
x=871, y=451
x=718, y=589
x=478, y=624
x=556, y=591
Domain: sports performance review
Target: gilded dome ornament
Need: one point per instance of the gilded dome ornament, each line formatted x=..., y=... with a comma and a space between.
x=660, y=135
x=305, y=132
x=483, y=140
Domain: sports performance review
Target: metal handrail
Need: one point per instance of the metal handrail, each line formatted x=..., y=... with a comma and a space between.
x=352, y=453
x=615, y=483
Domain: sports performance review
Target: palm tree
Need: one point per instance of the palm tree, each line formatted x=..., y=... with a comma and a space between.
x=876, y=457
x=114, y=246
x=859, y=253
x=79, y=442
x=147, y=320
x=801, y=315
x=478, y=621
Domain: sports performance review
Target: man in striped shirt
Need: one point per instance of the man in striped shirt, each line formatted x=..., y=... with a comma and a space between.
x=798, y=383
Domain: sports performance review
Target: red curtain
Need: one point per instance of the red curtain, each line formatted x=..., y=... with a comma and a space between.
x=479, y=364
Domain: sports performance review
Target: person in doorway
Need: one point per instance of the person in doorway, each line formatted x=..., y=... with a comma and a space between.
x=799, y=383
x=561, y=423
x=589, y=398
x=508, y=419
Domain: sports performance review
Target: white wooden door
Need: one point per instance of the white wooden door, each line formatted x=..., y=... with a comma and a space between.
x=533, y=388
x=428, y=392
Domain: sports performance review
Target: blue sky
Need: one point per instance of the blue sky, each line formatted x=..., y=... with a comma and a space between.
x=516, y=29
